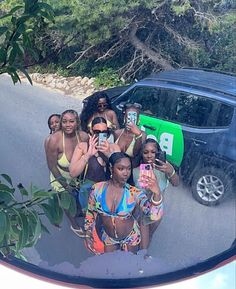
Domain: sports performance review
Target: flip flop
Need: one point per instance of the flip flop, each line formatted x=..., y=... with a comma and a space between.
x=79, y=232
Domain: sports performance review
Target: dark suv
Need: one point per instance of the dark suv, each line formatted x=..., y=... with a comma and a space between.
x=192, y=114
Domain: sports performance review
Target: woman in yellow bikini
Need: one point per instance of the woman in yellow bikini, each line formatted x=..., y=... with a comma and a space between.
x=98, y=105
x=59, y=151
x=130, y=138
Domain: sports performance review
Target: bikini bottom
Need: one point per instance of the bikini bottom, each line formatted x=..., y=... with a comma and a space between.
x=132, y=239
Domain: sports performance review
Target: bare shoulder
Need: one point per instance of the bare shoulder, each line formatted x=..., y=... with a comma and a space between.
x=83, y=136
x=110, y=112
x=115, y=148
x=55, y=139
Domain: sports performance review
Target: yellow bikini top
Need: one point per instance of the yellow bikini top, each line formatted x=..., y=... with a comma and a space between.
x=63, y=161
x=130, y=149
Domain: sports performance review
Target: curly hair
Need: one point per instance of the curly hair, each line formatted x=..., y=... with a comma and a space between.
x=92, y=107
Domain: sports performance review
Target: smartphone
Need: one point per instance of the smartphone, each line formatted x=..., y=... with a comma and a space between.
x=131, y=117
x=161, y=155
x=102, y=136
x=144, y=169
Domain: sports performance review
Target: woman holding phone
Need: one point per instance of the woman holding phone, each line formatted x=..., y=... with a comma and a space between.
x=114, y=202
x=164, y=173
x=99, y=105
x=131, y=137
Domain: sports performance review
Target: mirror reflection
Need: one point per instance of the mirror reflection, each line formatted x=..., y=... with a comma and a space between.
x=127, y=182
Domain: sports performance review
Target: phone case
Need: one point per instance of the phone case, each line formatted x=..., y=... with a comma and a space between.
x=102, y=136
x=132, y=117
x=145, y=169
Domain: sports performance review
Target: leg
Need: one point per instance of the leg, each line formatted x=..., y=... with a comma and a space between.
x=153, y=228
x=145, y=236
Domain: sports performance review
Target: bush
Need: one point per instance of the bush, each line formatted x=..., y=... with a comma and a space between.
x=108, y=78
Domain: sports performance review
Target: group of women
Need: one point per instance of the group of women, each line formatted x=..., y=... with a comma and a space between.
x=120, y=207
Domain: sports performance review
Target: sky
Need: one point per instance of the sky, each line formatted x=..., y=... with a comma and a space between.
x=221, y=278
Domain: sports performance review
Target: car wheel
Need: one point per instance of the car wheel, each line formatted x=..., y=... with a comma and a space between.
x=210, y=185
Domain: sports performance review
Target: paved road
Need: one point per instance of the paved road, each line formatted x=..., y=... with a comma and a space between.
x=189, y=232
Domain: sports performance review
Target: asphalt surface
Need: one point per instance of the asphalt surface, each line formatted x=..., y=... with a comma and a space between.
x=188, y=234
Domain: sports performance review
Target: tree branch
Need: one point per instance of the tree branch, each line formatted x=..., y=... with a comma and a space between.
x=147, y=51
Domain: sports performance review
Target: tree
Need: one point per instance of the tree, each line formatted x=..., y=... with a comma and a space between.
x=138, y=37
x=21, y=222
x=15, y=35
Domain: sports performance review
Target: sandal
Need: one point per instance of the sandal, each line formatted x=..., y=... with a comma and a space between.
x=79, y=232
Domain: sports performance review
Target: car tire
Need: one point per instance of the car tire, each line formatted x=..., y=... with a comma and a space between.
x=210, y=185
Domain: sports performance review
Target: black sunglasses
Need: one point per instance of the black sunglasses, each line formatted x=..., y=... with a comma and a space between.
x=102, y=105
x=96, y=131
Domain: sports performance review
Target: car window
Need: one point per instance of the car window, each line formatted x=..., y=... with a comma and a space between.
x=182, y=107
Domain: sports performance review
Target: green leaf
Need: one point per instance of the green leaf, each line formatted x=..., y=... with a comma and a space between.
x=3, y=225
x=5, y=188
x=73, y=207
x=43, y=194
x=14, y=9
x=35, y=228
x=24, y=232
x=3, y=29
x=12, y=54
x=3, y=55
x=44, y=229
x=49, y=212
x=6, y=198
x=26, y=74
x=7, y=178
x=22, y=190
x=65, y=198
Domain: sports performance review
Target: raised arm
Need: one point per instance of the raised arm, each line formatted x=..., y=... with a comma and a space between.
x=114, y=120
x=81, y=155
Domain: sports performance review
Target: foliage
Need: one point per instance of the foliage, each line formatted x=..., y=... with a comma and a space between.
x=108, y=78
x=21, y=222
x=15, y=35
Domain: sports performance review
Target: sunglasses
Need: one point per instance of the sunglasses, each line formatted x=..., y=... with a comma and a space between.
x=100, y=105
x=135, y=105
x=96, y=131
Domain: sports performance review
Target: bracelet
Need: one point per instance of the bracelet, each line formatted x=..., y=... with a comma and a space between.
x=172, y=174
x=139, y=136
x=156, y=203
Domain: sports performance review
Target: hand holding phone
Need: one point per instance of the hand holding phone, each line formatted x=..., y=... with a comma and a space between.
x=102, y=136
x=160, y=156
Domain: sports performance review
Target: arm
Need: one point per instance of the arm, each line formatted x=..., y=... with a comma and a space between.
x=107, y=149
x=78, y=162
x=81, y=155
x=153, y=207
x=91, y=214
x=140, y=137
x=52, y=151
x=169, y=171
x=114, y=120
x=83, y=136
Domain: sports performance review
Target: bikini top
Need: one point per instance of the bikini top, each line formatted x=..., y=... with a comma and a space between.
x=109, y=123
x=131, y=196
x=130, y=149
x=63, y=162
